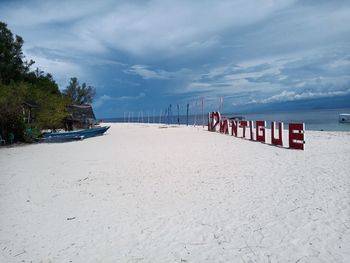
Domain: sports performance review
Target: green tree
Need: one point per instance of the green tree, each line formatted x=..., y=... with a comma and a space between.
x=79, y=94
x=42, y=82
x=53, y=111
x=11, y=109
x=13, y=67
x=19, y=85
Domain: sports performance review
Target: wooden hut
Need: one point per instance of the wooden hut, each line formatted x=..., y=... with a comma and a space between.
x=80, y=117
x=29, y=110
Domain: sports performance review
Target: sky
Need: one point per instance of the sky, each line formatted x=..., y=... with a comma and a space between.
x=146, y=55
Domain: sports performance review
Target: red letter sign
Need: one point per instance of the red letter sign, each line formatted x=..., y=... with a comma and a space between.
x=244, y=125
x=234, y=128
x=224, y=126
x=260, y=131
x=209, y=122
x=296, y=136
x=215, y=120
x=296, y=130
x=278, y=141
x=251, y=126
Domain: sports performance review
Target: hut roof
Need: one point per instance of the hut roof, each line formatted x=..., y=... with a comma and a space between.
x=81, y=112
x=31, y=104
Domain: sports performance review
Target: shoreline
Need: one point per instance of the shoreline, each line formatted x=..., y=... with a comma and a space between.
x=268, y=132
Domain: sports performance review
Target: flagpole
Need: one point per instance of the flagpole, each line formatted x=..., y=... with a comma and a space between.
x=195, y=114
x=203, y=112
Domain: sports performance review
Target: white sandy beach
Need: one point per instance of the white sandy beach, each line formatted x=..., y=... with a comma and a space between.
x=142, y=193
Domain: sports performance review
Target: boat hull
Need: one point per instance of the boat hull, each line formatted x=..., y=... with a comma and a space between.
x=74, y=135
x=66, y=138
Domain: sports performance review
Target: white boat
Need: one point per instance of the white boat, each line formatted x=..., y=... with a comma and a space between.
x=344, y=117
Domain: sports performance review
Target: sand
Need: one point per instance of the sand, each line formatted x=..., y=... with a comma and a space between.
x=142, y=193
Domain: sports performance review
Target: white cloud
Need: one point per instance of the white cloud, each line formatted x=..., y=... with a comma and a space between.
x=146, y=73
x=292, y=96
x=177, y=27
x=48, y=12
x=143, y=27
x=100, y=101
x=63, y=70
x=197, y=87
x=298, y=76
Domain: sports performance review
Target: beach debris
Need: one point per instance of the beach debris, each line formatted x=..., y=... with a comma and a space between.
x=70, y=218
x=20, y=253
x=83, y=179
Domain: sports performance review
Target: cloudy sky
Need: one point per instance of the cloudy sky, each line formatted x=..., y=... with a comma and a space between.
x=147, y=54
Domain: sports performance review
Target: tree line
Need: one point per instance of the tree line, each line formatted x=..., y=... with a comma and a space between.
x=21, y=87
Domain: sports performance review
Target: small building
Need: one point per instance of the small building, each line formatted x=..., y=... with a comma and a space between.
x=29, y=110
x=80, y=117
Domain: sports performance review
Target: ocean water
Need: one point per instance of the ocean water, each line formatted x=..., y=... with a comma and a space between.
x=317, y=120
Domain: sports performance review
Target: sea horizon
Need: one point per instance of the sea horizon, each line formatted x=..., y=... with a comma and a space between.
x=314, y=119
